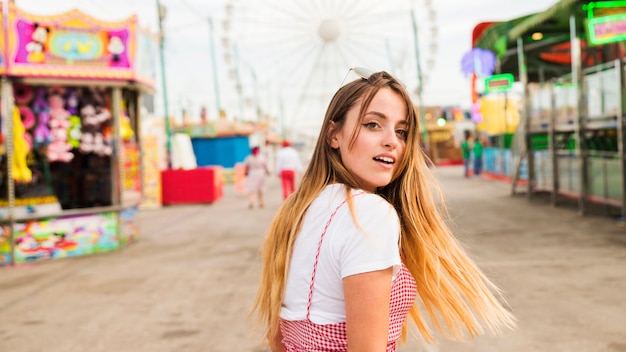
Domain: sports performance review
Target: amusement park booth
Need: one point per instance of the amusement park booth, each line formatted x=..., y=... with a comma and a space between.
x=571, y=137
x=72, y=88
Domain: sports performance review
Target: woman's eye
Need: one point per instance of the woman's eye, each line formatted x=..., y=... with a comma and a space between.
x=371, y=124
x=402, y=133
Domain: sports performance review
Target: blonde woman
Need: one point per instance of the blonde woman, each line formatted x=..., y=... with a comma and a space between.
x=361, y=243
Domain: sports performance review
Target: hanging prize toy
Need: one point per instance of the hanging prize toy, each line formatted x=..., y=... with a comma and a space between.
x=74, y=132
x=126, y=130
x=21, y=172
x=22, y=94
x=72, y=101
x=41, y=134
x=59, y=149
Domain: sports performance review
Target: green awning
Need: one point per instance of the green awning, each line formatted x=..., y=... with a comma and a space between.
x=539, y=18
x=494, y=38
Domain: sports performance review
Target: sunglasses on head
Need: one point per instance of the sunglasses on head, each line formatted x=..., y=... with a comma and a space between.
x=361, y=72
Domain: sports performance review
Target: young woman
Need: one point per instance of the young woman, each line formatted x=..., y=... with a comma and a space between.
x=350, y=251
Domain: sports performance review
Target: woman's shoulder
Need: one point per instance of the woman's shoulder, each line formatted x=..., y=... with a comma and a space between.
x=372, y=208
x=337, y=192
x=370, y=199
x=369, y=211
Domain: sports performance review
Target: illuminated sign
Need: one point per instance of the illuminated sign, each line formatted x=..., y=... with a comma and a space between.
x=604, y=8
x=607, y=29
x=499, y=83
x=606, y=21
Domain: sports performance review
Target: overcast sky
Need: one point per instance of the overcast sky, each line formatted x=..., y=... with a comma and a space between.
x=274, y=49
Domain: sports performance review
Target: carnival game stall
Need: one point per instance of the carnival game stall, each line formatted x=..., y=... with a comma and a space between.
x=570, y=60
x=71, y=160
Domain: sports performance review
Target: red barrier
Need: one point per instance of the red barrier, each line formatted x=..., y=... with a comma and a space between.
x=200, y=185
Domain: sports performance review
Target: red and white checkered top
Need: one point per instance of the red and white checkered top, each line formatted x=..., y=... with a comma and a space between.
x=306, y=336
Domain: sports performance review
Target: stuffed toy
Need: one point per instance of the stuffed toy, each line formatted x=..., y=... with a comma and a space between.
x=41, y=133
x=28, y=117
x=22, y=94
x=126, y=130
x=72, y=101
x=28, y=121
x=40, y=102
x=99, y=146
x=21, y=172
x=58, y=114
x=74, y=133
x=59, y=149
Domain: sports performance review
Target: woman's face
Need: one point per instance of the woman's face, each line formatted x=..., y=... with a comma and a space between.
x=380, y=141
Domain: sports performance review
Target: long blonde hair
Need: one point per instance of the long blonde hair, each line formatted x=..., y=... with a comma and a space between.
x=454, y=292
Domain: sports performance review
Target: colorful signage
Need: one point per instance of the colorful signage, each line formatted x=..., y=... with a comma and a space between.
x=604, y=8
x=499, y=83
x=61, y=237
x=70, y=45
x=606, y=21
x=606, y=29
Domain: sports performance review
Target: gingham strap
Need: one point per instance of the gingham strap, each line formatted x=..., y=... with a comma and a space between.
x=317, y=254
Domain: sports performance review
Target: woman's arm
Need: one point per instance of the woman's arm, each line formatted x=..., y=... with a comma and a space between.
x=367, y=310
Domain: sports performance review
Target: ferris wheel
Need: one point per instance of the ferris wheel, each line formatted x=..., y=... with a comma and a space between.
x=287, y=58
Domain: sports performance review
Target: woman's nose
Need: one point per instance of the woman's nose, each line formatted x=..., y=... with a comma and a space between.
x=391, y=139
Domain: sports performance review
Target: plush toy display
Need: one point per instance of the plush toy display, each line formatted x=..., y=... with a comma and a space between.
x=59, y=149
x=94, y=117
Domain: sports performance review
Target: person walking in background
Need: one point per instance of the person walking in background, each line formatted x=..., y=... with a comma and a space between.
x=477, y=151
x=256, y=174
x=347, y=256
x=288, y=165
x=466, y=149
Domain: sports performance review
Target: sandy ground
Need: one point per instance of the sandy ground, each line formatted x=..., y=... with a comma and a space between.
x=189, y=282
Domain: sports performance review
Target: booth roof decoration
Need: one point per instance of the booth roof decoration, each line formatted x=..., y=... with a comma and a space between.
x=74, y=45
x=2, y=48
x=481, y=62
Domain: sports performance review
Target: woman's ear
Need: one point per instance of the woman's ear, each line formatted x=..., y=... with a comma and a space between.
x=331, y=135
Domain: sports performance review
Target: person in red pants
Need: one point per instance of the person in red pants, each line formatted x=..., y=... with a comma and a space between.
x=288, y=164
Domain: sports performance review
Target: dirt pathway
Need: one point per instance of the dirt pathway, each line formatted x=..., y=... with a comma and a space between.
x=188, y=283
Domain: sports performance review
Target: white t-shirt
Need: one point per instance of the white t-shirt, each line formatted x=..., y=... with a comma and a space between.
x=288, y=158
x=346, y=250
